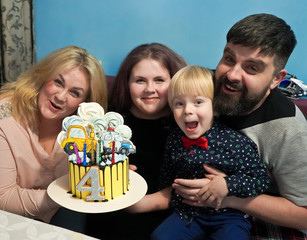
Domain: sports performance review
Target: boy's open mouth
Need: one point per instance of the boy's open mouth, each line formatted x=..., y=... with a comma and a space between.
x=190, y=126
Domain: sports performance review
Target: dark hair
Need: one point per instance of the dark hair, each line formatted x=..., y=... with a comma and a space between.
x=272, y=34
x=120, y=99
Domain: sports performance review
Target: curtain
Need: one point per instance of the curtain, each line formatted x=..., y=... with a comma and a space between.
x=17, y=47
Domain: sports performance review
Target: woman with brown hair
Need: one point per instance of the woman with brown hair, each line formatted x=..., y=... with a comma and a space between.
x=139, y=93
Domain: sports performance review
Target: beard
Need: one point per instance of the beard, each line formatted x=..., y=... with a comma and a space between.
x=236, y=104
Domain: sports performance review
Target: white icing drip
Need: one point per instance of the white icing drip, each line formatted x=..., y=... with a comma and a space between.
x=117, y=158
x=73, y=158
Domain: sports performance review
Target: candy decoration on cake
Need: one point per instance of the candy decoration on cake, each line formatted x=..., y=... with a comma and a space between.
x=98, y=145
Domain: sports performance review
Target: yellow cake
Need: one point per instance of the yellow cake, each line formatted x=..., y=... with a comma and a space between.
x=114, y=179
x=98, y=146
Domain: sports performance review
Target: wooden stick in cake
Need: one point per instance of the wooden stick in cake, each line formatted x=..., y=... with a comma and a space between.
x=113, y=152
x=84, y=155
x=77, y=154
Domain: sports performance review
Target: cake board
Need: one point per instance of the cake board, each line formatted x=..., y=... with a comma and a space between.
x=58, y=192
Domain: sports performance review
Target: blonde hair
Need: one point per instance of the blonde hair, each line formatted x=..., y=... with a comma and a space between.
x=191, y=80
x=24, y=92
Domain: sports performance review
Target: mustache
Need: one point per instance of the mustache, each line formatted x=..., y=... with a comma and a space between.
x=231, y=85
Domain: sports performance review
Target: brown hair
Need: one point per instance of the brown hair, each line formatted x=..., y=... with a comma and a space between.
x=272, y=34
x=120, y=99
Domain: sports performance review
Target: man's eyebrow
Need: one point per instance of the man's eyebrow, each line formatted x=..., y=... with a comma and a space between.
x=257, y=62
x=227, y=49
x=251, y=60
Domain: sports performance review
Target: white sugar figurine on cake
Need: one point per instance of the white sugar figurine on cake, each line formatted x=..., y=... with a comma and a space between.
x=98, y=146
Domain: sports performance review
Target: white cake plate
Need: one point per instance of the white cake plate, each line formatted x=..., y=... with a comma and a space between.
x=58, y=192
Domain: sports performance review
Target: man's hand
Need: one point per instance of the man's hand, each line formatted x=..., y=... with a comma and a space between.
x=189, y=189
x=213, y=193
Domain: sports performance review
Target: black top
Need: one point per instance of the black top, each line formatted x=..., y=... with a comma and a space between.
x=149, y=137
x=276, y=106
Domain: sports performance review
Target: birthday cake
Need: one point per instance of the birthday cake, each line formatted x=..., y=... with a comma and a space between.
x=98, y=145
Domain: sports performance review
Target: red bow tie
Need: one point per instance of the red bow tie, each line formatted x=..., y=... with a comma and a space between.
x=201, y=141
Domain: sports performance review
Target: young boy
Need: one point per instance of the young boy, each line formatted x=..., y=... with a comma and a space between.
x=199, y=141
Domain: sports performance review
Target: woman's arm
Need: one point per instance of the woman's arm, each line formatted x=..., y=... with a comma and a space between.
x=152, y=202
x=28, y=202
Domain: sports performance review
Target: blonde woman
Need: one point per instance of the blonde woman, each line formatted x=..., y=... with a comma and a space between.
x=31, y=112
